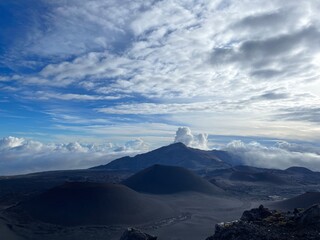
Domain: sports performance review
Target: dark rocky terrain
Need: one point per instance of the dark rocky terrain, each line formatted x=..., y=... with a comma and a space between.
x=264, y=224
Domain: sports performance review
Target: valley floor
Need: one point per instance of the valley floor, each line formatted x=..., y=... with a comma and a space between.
x=196, y=218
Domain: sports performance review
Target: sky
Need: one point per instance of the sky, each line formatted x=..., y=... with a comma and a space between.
x=118, y=77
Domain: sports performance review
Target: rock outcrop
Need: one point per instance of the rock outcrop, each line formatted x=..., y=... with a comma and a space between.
x=135, y=234
x=256, y=214
x=264, y=224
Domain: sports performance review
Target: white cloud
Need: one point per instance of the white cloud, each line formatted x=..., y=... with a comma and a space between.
x=19, y=155
x=10, y=142
x=170, y=55
x=76, y=27
x=282, y=155
x=156, y=108
x=225, y=58
x=177, y=40
x=134, y=145
x=185, y=136
x=294, y=147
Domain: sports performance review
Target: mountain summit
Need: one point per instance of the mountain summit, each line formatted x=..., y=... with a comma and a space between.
x=176, y=154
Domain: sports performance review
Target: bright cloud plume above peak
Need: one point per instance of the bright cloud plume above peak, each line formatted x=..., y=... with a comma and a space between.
x=129, y=69
x=185, y=136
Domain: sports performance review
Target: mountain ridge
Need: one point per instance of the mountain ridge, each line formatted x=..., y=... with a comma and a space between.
x=176, y=154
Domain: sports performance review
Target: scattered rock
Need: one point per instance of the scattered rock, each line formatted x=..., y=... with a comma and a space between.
x=135, y=234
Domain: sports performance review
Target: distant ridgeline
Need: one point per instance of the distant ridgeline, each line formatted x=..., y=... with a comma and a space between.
x=176, y=154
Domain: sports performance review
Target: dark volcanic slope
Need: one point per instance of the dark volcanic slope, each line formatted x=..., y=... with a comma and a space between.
x=301, y=170
x=250, y=175
x=263, y=177
x=160, y=179
x=302, y=201
x=176, y=154
x=94, y=203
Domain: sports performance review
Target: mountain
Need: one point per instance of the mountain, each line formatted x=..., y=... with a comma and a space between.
x=160, y=179
x=84, y=203
x=176, y=154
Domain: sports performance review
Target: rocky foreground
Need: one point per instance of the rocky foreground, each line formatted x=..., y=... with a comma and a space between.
x=260, y=224
x=264, y=224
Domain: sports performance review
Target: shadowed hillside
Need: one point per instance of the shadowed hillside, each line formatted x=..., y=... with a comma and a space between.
x=302, y=201
x=250, y=175
x=160, y=179
x=264, y=177
x=94, y=203
x=301, y=170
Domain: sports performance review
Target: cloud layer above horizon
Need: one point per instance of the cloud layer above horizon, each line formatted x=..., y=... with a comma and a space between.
x=87, y=71
x=19, y=155
x=281, y=155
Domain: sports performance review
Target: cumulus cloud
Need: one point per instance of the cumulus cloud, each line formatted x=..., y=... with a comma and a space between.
x=282, y=155
x=134, y=145
x=19, y=155
x=10, y=142
x=185, y=136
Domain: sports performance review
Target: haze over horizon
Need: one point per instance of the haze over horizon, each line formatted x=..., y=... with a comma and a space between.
x=84, y=82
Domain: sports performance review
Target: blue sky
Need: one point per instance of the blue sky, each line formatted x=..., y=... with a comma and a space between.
x=114, y=71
